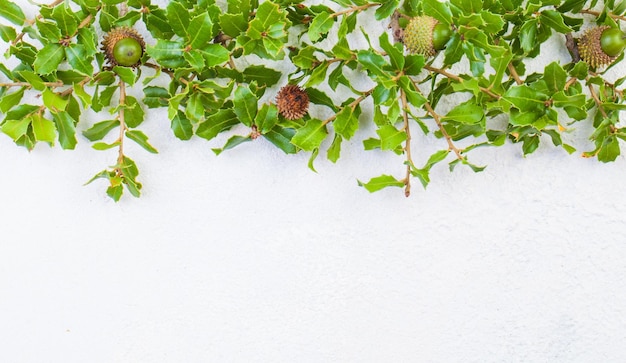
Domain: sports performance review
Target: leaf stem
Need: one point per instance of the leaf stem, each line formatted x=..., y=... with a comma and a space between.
x=597, y=13
x=445, y=134
x=352, y=105
x=596, y=99
x=354, y=9
x=407, y=146
x=122, y=106
x=459, y=79
x=514, y=74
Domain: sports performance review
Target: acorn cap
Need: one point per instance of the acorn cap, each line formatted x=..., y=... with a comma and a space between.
x=418, y=35
x=292, y=102
x=590, y=49
x=114, y=36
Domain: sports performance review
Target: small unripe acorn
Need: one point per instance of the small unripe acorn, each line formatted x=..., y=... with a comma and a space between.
x=426, y=35
x=292, y=102
x=124, y=47
x=601, y=45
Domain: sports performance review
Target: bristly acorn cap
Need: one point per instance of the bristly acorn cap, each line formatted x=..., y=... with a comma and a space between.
x=292, y=102
x=113, y=37
x=590, y=49
x=418, y=35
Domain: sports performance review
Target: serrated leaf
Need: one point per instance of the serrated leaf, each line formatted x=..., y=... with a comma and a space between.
x=310, y=136
x=43, y=129
x=126, y=74
x=262, y=75
x=554, y=20
x=12, y=12
x=200, y=31
x=7, y=33
x=245, y=105
x=266, y=118
x=467, y=113
x=390, y=137
x=133, y=113
x=79, y=60
x=281, y=138
x=141, y=139
x=220, y=121
x=320, y=25
x=232, y=142
x=233, y=24
x=66, y=130
x=65, y=20
x=49, y=58
x=101, y=146
x=100, y=129
x=386, y=9
x=53, y=101
x=178, y=18
x=35, y=81
x=555, y=77
x=215, y=55
x=156, y=97
x=168, y=53
x=381, y=182
x=16, y=128
x=346, y=123
x=11, y=99
x=181, y=126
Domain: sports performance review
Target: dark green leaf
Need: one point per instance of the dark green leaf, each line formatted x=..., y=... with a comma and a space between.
x=99, y=130
x=141, y=139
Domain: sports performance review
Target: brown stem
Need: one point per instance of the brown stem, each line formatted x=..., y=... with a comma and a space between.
x=597, y=13
x=353, y=9
x=445, y=134
x=352, y=105
x=407, y=146
x=27, y=84
x=514, y=74
x=120, y=155
x=596, y=99
x=459, y=79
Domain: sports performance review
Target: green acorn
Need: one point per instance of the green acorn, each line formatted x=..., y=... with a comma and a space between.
x=601, y=45
x=426, y=35
x=123, y=46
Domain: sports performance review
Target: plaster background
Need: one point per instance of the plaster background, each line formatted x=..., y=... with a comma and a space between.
x=251, y=257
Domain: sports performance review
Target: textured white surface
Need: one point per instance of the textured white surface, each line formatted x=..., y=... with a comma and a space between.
x=251, y=257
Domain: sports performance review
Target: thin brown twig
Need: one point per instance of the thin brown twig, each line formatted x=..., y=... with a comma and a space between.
x=596, y=99
x=352, y=105
x=514, y=74
x=445, y=134
x=459, y=79
x=407, y=146
x=353, y=9
x=122, y=105
x=597, y=13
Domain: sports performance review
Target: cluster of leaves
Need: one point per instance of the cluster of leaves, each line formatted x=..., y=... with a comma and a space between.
x=198, y=48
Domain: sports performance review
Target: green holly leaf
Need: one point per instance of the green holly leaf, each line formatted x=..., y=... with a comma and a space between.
x=390, y=137
x=310, y=136
x=12, y=12
x=320, y=25
x=216, y=123
x=141, y=139
x=100, y=129
x=381, y=182
x=200, y=31
x=245, y=105
x=281, y=138
x=66, y=129
x=43, y=129
x=48, y=58
x=178, y=18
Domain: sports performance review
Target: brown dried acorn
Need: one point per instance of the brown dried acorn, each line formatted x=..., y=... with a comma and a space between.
x=292, y=102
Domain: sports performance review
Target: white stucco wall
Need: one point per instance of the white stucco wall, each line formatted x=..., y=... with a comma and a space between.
x=251, y=257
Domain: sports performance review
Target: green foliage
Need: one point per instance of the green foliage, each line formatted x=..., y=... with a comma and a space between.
x=214, y=67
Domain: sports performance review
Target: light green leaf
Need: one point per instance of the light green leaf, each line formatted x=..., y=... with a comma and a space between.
x=178, y=18
x=100, y=129
x=79, y=60
x=12, y=12
x=126, y=74
x=65, y=20
x=467, y=113
x=245, y=105
x=200, y=31
x=16, y=128
x=320, y=25
x=381, y=182
x=390, y=137
x=141, y=139
x=386, y=9
x=310, y=136
x=65, y=126
x=43, y=129
x=49, y=58
x=53, y=101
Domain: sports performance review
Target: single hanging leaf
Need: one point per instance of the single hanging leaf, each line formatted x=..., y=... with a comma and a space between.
x=181, y=126
x=141, y=139
x=381, y=182
x=100, y=129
